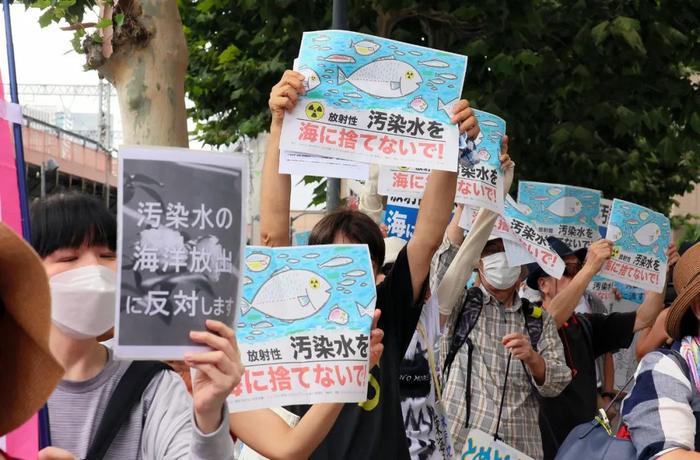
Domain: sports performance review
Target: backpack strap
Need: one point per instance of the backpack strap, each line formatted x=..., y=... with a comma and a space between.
x=128, y=391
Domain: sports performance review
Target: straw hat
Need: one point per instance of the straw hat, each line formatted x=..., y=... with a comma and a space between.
x=686, y=279
x=28, y=371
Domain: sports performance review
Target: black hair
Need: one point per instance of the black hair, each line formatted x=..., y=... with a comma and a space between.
x=386, y=268
x=69, y=220
x=355, y=226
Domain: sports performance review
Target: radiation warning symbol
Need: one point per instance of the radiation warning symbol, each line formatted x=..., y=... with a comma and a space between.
x=314, y=110
x=616, y=252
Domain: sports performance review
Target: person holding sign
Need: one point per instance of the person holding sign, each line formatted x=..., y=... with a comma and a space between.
x=489, y=396
x=374, y=428
x=76, y=237
x=585, y=337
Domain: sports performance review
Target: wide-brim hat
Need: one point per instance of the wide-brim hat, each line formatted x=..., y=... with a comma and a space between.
x=28, y=371
x=535, y=272
x=392, y=247
x=686, y=280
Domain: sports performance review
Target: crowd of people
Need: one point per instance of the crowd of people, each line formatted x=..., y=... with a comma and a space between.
x=456, y=344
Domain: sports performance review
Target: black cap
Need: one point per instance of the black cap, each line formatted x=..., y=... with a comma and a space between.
x=535, y=272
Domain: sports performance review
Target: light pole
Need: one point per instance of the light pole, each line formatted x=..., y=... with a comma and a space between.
x=48, y=166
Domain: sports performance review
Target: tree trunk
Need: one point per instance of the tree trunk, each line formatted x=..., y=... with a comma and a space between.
x=147, y=68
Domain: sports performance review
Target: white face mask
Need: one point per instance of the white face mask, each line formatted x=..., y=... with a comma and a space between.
x=83, y=301
x=497, y=272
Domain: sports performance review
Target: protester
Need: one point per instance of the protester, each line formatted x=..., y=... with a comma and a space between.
x=662, y=412
x=75, y=235
x=486, y=326
x=585, y=337
x=373, y=429
x=29, y=371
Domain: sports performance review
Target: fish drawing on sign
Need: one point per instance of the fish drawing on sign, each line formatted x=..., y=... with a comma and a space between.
x=347, y=283
x=338, y=59
x=437, y=81
x=293, y=261
x=312, y=255
x=483, y=154
x=356, y=273
x=447, y=76
x=365, y=47
x=415, y=53
x=353, y=95
x=446, y=106
x=418, y=104
x=614, y=233
x=257, y=262
x=525, y=209
x=399, y=53
x=338, y=316
x=385, y=78
x=644, y=215
x=363, y=310
x=567, y=206
x=434, y=63
x=311, y=79
x=336, y=262
x=321, y=38
x=648, y=234
x=290, y=295
x=247, y=281
x=262, y=325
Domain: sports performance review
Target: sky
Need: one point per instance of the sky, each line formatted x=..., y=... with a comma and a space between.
x=45, y=56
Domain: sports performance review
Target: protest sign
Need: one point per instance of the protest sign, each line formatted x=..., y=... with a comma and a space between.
x=301, y=238
x=500, y=227
x=603, y=289
x=181, y=216
x=303, y=164
x=304, y=325
x=566, y=212
x=603, y=215
x=375, y=100
x=400, y=216
x=483, y=446
x=640, y=237
x=523, y=227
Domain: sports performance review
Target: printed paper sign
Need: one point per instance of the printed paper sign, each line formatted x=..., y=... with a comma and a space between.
x=500, y=227
x=304, y=325
x=303, y=164
x=375, y=100
x=523, y=227
x=482, y=446
x=603, y=289
x=640, y=237
x=603, y=215
x=181, y=217
x=401, y=216
x=566, y=212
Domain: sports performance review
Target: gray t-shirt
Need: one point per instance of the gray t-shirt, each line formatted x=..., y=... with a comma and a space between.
x=160, y=426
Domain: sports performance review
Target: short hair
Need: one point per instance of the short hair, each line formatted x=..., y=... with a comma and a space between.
x=69, y=220
x=355, y=226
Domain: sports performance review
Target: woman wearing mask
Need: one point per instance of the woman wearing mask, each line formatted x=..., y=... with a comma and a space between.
x=75, y=235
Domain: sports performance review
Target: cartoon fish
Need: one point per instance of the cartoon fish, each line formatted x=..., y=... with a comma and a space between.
x=554, y=191
x=385, y=77
x=541, y=198
x=363, y=285
x=633, y=222
x=415, y=53
x=418, y=104
x=257, y=262
x=434, y=63
x=247, y=281
x=399, y=53
x=446, y=106
x=293, y=261
x=321, y=38
x=353, y=95
x=393, y=47
x=447, y=76
x=614, y=233
x=567, y=206
x=290, y=295
x=283, y=256
x=644, y=215
x=437, y=81
x=336, y=262
x=648, y=234
x=347, y=283
x=262, y=325
x=338, y=59
x=484, y=155
x=325, y=48
x=257, y=332
x=525, y=209
x=242, y=324
x=364, y=310
x=311, y=79
x=312, y=255
x=365, y=47
x=333, y=91
x=344, y=101
x=356, y=273
x=338, y=315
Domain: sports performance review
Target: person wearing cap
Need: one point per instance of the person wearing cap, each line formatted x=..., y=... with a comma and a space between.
x=29, y=372
x=480, y=381
x=585, y=336
x=662, y=412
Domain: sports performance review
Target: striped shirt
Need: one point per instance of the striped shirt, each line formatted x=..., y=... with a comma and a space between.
x=519, y=420
x=661, y=412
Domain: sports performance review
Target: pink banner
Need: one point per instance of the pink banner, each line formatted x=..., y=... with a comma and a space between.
x=9, y=194
x=23, y=443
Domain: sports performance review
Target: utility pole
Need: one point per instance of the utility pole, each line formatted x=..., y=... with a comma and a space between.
x=340, y=22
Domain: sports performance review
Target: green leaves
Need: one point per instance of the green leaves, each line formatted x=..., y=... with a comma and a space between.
x=627, y=29
x=104, y=23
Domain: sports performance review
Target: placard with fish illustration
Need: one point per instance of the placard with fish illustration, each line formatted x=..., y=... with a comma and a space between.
x=181, y=217
x=480, y=445
x=304, y=164
x=564, y=211
x=500, y=227
x=603, y=216
x=524, y=228
x=304, y=325
x=640, y=237
x=375, y=100
x=400, y=216
x=478, y=186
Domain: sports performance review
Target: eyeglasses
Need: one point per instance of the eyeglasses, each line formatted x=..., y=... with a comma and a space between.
x=572, y=269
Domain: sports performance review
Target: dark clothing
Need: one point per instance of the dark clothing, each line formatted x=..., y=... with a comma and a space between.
x=583, y=343
x=375, y=428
